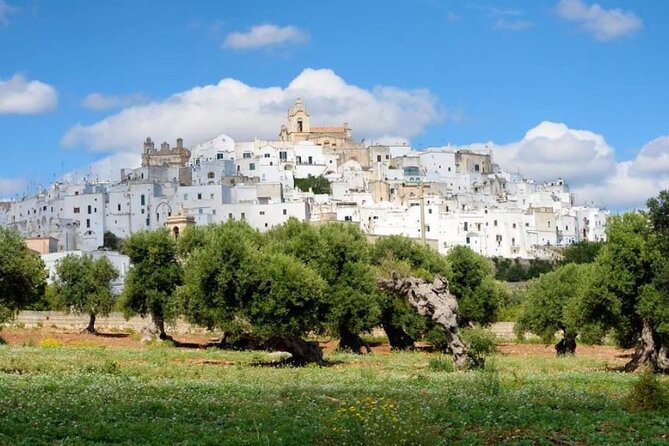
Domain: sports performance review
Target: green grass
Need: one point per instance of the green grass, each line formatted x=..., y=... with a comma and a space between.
x=87, y=395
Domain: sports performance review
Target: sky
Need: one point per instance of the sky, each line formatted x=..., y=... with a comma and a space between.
x=557, y=88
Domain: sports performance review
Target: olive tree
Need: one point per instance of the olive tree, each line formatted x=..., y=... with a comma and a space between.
x=152, y=278
x=402, y=324
x=552, y=304
x=234, y=282
x=629, y=291
x=83, y=286
x=22, y=275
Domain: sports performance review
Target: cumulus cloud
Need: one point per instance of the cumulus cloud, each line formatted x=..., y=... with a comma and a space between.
x=245, y=112
x=584, y=159
x=22, y=97
x=99, y=101
x=5, y=11
x=263, y=36
x=604, y=24
x=552, y=150
x=11, y=186
x=503, y=24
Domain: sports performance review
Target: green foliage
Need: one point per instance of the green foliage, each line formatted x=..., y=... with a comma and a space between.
x=112, y=241
x=581, y=252
x=234, y=282
x=422, y=260
x=553, y=302
x=442, y=364
x=153, y=276
x=318, y=185
x=473, y=283
x=83, y=285
x=481, y=342
x=625, y=269
x=515, y=270
x=648, y=393
x=22, y=275
x=48, y=301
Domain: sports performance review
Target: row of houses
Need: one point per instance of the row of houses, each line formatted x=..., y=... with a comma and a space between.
x=445, y=196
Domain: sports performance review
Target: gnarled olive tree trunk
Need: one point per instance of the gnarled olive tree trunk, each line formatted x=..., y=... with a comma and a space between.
x=651, y=352
x=155, y=329
x=352, y=341
x=91, y=324
x=567, y=345
x=435, y=301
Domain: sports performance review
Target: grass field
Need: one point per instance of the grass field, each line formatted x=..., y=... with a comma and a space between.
x=88, y=394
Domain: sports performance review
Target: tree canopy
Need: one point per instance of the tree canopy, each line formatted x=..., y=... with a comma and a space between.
x=152, y=278
x=83, y=285
x=22, y=275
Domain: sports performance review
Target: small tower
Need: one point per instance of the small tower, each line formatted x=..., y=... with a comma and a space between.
x=299, y=125
x=178, y=223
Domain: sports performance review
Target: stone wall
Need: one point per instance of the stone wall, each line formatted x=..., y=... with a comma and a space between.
x=115, y=321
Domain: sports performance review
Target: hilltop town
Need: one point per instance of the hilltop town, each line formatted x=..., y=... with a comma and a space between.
x=443, y=196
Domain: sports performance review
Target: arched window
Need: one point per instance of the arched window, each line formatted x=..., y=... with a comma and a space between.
x=299, y=125
x=477, y=168
x=175, y=231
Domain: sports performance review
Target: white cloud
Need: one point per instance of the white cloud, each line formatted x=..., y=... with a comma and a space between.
x=23, y=97
x=503, y=24
x=5, y=11
x=262, y=36
x=11, y=186
x=604, y=24
x=585, y=160
x=552, y=150
x=245, y=112
x=99, y=101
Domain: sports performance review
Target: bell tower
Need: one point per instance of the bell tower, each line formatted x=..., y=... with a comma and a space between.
x=299, y=124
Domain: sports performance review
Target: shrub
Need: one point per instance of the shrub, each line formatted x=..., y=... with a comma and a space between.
x=481, y=342
x=441, y=364
x=648, y=393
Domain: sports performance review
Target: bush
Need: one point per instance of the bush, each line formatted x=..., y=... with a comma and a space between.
x=648, y=393
x=441, y=364
x=481, y=342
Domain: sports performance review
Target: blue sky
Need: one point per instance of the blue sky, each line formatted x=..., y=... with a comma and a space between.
x=566, y=88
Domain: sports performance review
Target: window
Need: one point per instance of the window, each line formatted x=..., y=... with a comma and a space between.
x=285, y=212
x=252, y=166
x=157, y=216
x=267, y=155
x=219, y=156
x=477, y=168
x=88, y=222
x=243, y=216
x=142, y=211
x=298, y=159
x=213, y=212
x=199, y=196
x=76, y=210
x=185, y=197
x=247, y=155
x=148, y=221
x=468, y=240
x=311, y=160
x=466, y=226
x=513, y=241
x=118, y=207
x=283, y=156
x=387, y=157
x=427, y=228
x=494, y=223
x=262, y=212
x=513, y=226
x=90, y=208
x=211, y=196
x=266, y=225
x=230, y=216
x=211, y=175
x=142, y=200
x=549, y=223
x=429, y=211
x=378, y=158
x=498, y=238
x=449, y=169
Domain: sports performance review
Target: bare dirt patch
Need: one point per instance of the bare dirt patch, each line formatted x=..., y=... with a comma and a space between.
x=35, y=336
